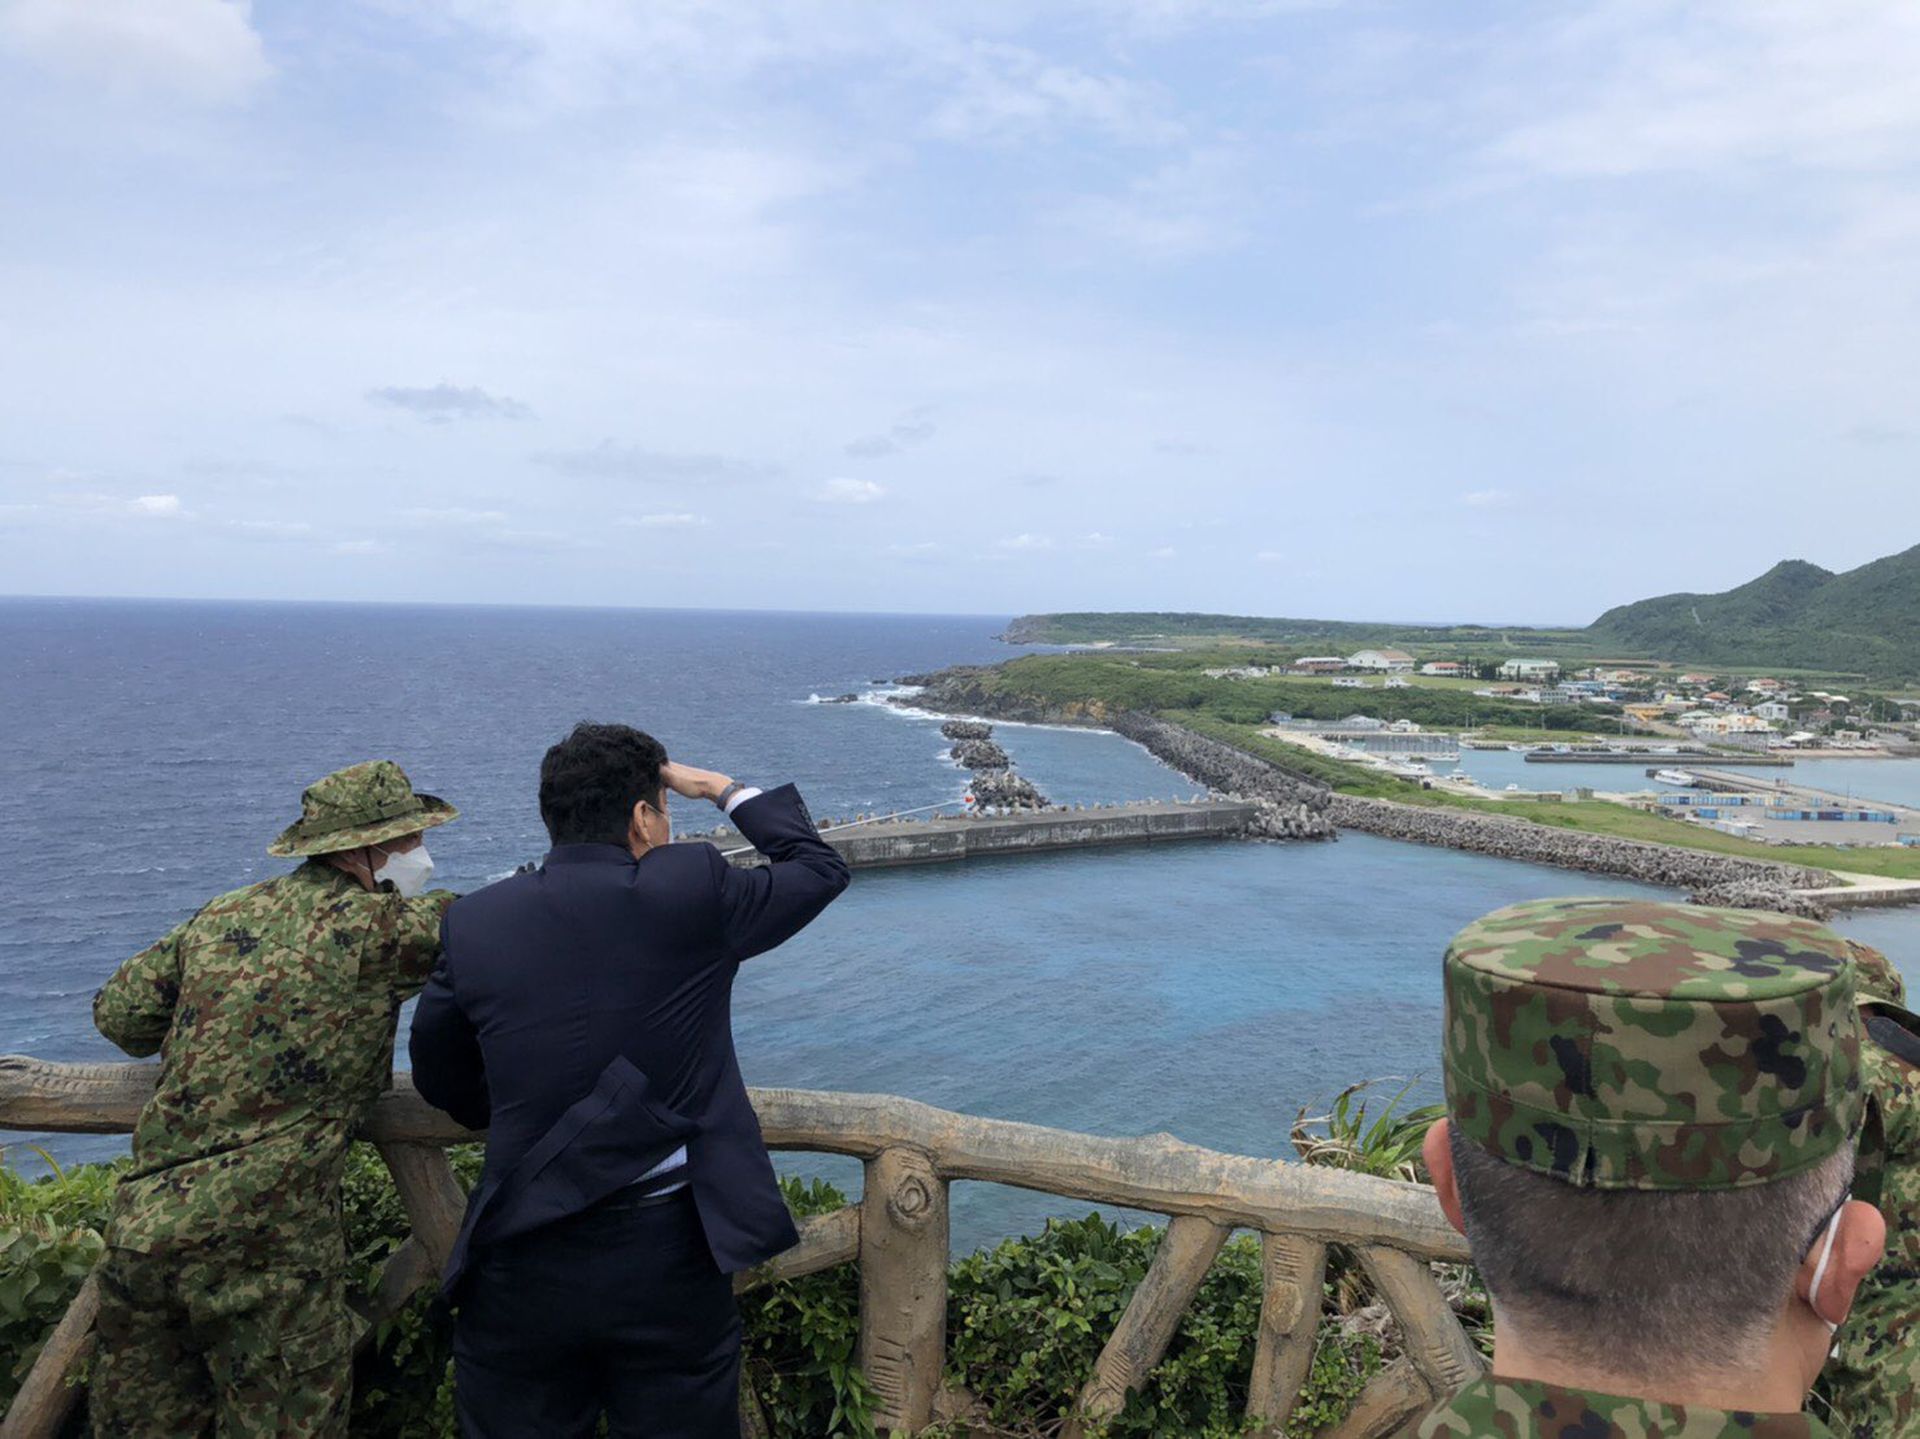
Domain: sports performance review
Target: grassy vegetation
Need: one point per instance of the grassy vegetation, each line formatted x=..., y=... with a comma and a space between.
x=1170, y=682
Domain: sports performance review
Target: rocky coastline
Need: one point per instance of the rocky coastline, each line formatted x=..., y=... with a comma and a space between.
x=1297, y=807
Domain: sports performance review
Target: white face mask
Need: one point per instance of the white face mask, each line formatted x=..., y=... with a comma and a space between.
x=1820, y=1272
x=409, y=869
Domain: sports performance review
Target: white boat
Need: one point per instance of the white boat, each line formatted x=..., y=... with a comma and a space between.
x=1678, y=777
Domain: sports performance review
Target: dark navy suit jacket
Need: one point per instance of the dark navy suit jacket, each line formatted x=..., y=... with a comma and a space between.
x=581, y=1014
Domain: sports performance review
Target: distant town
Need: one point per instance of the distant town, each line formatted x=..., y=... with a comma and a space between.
x=1760, y=711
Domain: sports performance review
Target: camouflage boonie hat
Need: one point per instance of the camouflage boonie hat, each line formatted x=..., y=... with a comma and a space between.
x=361, y=804
x=1629, y=1044
x=1874, y=975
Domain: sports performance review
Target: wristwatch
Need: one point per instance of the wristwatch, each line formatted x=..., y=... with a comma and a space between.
x=732, y=789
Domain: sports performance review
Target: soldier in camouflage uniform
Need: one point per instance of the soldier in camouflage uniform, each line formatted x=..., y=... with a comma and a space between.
x=1874, y=1379
x=222, y=1303
x=1653, y=1110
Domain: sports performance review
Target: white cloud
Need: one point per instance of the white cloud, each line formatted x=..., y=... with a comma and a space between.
x=1004, y=93
x=844, y=491
x=1095, y=540
x=156, y=506
x=1193, y=205
x=1634, y=88
x=1026, y=542
x=203, y=51
x=1486, y=499
x=1165, y=552
x=1273, y=557
x=674, y=521
x=360, y=547
x=924, y=547
x=272, y=529
x=443, y=403
x=451, y=516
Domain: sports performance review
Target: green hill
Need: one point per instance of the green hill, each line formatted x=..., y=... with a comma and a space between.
x=1796, y=615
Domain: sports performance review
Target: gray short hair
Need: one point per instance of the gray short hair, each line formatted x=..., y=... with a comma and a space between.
x=1628, y=1280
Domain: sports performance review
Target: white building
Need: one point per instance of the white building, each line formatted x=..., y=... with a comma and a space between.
x=1319, y=665
x=1396, y=662
x=1446, y=669
x=1725, y=724
x=1773, y=712
x=1530, y=670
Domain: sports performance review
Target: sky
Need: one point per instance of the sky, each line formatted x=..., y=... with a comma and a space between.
x=1465, y=312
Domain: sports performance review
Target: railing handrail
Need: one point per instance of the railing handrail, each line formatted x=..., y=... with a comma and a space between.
x=1156, y=1172
x=897, y=1234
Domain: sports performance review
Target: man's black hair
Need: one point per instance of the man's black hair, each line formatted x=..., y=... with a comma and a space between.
x=592, y=779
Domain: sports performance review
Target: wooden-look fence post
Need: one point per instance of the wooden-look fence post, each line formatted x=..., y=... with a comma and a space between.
x=903, y=1286
x=1293, y=1275
x=431, y=1192
x=1437, y=1345
x=1392, y=1397
x=46, y=1397
x=1139, y=1341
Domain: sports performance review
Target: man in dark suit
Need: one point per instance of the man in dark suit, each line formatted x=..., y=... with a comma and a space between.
x=580, y=1012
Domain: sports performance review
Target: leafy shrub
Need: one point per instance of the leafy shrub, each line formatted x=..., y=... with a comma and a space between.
x=801, y=1342
x=1343, y=1139
x=1027, y=1320
x=49, y=1241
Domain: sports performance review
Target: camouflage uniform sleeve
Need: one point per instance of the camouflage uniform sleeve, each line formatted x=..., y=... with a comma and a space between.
x=134, y=1009
x=417, y=944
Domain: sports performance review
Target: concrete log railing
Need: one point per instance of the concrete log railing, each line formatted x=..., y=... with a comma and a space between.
x=897, y=1235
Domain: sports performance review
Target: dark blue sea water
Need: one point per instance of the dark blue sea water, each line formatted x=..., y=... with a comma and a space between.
x=151, y=750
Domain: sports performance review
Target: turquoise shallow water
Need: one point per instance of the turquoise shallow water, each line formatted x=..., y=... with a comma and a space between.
x=1207, y=990
x=1894, y=780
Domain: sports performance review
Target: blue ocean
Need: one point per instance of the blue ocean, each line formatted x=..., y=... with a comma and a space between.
x=152, y=749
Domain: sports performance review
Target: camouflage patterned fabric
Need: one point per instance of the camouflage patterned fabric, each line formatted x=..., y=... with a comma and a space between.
x=1492, y=1408
x=267, y=1351
x=1873, y=1380
x=273, y=1009
x=359, y=805
x=1629, y=1044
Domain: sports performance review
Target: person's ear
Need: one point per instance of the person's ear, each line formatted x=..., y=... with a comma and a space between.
x=1859, y=1239
x=1437, y=1150
x=638, y=822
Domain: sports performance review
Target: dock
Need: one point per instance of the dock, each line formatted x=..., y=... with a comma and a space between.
x=886, y=844
x=1664, y=761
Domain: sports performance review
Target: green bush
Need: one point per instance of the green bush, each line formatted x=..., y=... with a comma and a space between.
x=49, y=1240
x=1027, y=1319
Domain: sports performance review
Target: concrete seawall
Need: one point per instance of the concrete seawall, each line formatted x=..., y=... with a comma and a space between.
x=890, y=843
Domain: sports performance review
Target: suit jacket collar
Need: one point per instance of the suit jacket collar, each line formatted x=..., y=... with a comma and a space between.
x=589, y=854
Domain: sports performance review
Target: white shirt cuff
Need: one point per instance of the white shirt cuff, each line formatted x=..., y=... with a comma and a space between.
x=740, y=797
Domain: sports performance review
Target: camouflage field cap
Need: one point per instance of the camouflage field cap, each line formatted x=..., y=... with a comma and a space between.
x=1630, y=1044
x=362, y=804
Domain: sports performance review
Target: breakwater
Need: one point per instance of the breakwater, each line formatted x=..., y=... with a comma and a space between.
x=994, y=784
x=878, y=844
x=1706, y=877
x=1507, y=838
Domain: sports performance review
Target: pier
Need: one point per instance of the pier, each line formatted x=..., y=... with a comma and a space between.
x=1665, y=760
x=884, y=843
